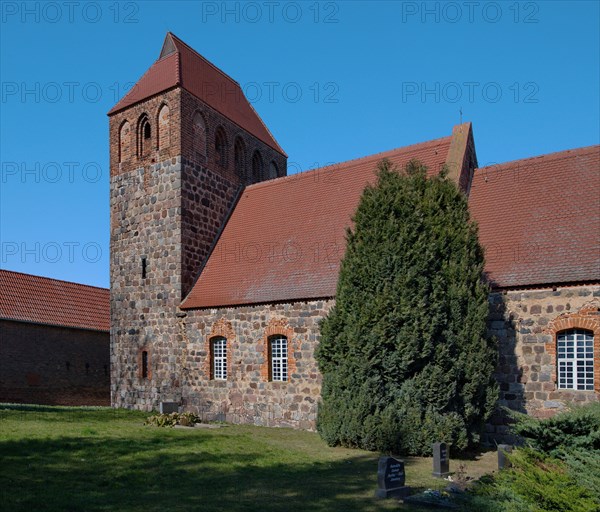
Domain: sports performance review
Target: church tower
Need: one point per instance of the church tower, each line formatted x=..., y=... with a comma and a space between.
x=184, y=142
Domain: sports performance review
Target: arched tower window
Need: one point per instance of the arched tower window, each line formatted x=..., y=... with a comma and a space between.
x=124, y=142
x=220, y=147
x=164, y=132
x=240, y=158
x=273, y=172
x=198, y=136
x=257, y=167
x=144, y=136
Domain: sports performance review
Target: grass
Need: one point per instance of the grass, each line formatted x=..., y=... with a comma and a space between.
x=97, y=459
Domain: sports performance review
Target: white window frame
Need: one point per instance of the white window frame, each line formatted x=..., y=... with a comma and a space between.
x=218, y=346
x=278, y=347
x=575, y=359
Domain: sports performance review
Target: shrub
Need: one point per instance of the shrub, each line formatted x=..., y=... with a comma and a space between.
x=572, y=437
x=584, y=466
x=577, y=428
x=404, y=353
x=187, y=419
x=536, y=483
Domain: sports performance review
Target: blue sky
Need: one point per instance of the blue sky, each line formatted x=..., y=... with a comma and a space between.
x=332, y=81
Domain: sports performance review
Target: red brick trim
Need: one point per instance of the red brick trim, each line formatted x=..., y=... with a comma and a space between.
x=588, y=317
x=224, y=162
x=165, y=150
x=221, y=327
x=282, y=327
x=141, y=153
x=124, y=145
x=199, y=154
x=147, y=349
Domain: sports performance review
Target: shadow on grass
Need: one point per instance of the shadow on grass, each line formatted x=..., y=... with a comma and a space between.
x=53, y=413
x=51, y=408
x=119, y=465
x=174, y=473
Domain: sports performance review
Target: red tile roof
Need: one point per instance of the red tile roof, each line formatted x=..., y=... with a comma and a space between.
x=539, y=218
x=41, y=300
x=180, y=65
x=285, y=237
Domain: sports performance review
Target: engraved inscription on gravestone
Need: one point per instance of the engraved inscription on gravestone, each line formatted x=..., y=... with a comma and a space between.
x=441, y=460
x=390, y=478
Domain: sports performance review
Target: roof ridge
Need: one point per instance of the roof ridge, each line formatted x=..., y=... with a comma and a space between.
x=556, y=155
x=203, y=58
x=53, y=279
x=344, y=162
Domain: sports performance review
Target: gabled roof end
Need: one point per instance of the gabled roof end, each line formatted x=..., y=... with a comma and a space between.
x=168, y=46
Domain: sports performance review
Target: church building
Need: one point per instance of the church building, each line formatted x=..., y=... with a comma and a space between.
x=222, y=265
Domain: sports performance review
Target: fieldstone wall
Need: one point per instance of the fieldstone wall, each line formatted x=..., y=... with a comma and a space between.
x=145, y=224
x=168, y=202
x=248, y=396
x=525, y=324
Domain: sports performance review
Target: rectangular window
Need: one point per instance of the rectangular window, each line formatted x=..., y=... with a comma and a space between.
x=279, y=358
x=219, y=358
x=144, y=267
x=575, y=359
x=144, y=364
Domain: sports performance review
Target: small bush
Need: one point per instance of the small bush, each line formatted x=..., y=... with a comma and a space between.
x=536, y=483
x=578, y=428
x=186, y=419
x=584, y=467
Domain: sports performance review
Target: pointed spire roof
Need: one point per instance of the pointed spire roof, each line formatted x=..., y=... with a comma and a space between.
x=180, y=65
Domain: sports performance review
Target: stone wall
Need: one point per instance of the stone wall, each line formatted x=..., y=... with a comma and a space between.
x=248, y=395
x=168, y=202
x=44, y=364
x=145, y=223
x=525, y=323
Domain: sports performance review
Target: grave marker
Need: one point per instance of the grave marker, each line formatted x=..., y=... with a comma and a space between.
x=390, y=479
x=503, y=450
x=441, y=460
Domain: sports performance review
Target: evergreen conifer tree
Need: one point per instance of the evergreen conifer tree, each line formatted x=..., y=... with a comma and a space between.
x=404, y=353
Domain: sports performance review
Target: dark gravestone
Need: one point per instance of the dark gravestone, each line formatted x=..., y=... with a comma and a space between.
x=503, y=461
x=390, y=479
x=441, y=460
x=169, y=407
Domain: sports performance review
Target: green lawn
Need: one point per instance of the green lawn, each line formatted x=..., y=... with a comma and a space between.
x=94, y=459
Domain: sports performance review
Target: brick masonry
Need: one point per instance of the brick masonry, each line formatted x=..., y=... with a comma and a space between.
x=170, y=193
x=44, y=364
x=525, y=324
